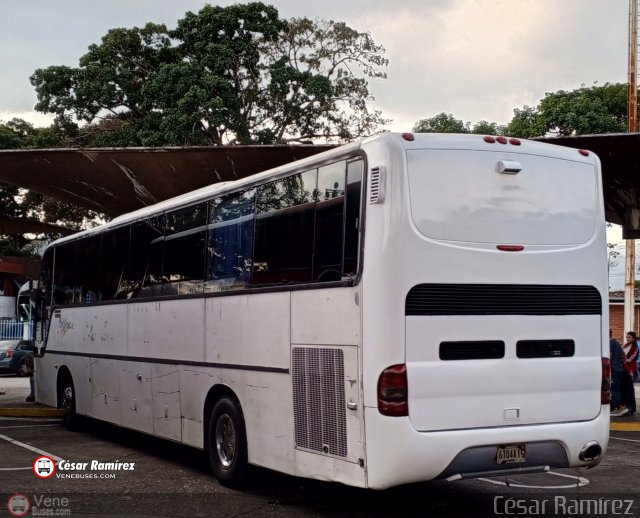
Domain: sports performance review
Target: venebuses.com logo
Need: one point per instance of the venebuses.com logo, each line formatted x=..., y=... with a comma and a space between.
x=44, y=467
x=18, y=505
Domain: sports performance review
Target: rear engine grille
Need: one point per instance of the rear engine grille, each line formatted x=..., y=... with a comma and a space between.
x=545, y=348
x=502, y=299
x=319, y=400
x=479, y=350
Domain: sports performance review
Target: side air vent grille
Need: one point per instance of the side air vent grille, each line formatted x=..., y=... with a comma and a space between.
x=545, y=348
x=319, y=400
x=479, y=350
x=376, y=194
x=502, y=299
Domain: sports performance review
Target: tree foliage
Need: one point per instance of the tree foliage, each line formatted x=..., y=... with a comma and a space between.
x=236, y=74
x=441, y=123
x=585, y=110
x=447, y=123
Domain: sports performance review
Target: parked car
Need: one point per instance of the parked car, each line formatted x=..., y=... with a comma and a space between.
x=13, y=356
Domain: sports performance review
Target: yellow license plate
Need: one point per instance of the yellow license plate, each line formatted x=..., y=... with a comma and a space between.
x=511, y=453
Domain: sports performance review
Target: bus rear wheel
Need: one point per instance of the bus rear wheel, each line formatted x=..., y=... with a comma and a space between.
x=227, y=442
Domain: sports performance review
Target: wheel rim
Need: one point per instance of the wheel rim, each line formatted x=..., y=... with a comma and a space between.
x=225, y=440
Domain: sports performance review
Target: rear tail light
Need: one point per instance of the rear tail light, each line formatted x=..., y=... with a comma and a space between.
x=392, y=391
x=605, y=391
x=10, y=353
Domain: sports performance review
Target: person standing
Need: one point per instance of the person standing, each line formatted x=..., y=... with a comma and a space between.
x=627, y=393
x=616, y=357
x=631, y=355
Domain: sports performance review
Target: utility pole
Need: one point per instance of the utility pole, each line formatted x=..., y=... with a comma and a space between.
x=632, y=116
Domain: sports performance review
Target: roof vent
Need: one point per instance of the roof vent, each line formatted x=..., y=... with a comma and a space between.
x=378, y=178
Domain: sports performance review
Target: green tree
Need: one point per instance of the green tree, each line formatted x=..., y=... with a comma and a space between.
x=441, y=123
x=585, y=110
x=109, y=85
x=525, y=123
x=236, y=74
x=487, y=128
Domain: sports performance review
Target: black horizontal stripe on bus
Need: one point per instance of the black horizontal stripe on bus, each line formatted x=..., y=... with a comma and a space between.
x=189, y=363
x=502, y=299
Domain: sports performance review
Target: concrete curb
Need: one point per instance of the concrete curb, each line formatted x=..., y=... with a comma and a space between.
x=625, y=427
x=31, y=411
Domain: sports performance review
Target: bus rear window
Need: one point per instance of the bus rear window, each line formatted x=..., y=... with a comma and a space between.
x=460, y=196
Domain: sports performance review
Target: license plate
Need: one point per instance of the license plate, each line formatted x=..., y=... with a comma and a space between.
x=511, y=453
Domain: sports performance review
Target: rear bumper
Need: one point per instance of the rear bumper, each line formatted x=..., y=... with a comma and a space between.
x=398, y=454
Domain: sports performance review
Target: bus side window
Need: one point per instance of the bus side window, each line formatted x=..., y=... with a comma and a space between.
x=352, y=217
x=115, y=255
x=285, y=214
x=143, y=275
x=184, y=250
x=327, y=253
x=230, y=241
x=66, y=282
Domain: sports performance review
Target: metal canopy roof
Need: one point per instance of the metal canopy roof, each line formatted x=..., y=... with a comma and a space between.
x=116, y=181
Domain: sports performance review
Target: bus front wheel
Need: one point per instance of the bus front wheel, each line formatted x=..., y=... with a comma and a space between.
x=227, y=442
x=68, y=403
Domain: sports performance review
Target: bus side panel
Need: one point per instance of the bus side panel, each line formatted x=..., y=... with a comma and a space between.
x=250, y=334
x=251, y=330
x=323, y=317
x=165, y=381
x=167, y=329
x=266, y=403
x=135, y=387
x=105, y=389
x=326, y=333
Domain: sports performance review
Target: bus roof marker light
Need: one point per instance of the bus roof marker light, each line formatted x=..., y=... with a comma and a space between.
x=515, y=141
x=583, y=152
x=502, y=140
x=510, y=248
x=489, y=139
x=408, y=136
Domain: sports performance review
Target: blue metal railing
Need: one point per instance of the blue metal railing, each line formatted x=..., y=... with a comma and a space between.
x=16, y=330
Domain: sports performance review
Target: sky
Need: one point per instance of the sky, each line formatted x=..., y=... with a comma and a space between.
x=475, y=59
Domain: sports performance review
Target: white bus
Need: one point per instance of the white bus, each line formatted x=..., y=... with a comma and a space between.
x=404, y=308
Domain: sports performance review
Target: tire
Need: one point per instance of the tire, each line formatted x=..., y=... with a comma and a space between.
x=227, y=442
x=68, y=403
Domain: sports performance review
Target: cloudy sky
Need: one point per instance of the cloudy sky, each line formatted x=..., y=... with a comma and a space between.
x=476, y=59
